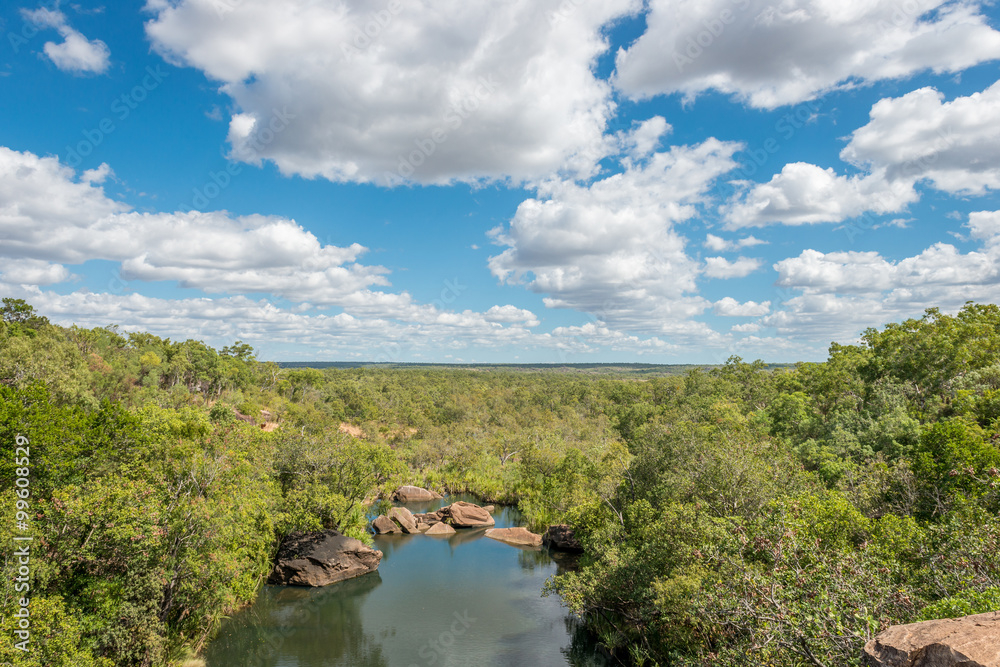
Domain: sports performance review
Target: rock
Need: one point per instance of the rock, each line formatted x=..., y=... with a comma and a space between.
x=383, y=525
x=467, y=515
x=970, y=641
x=404, y=518
x=413, y=494
x=430, y=518
x=440, y=529
x=561, y=538
x=516, y=536
x=321, y=558
x=490, y=508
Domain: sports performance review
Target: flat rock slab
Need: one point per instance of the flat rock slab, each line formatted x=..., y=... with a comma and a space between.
x=440, y=529
x=521, y=537
x=414, y=494
x=970, y=641
x=321, y=558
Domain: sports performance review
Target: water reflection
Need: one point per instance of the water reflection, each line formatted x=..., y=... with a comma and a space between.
x=292, y=625
x=463, y=600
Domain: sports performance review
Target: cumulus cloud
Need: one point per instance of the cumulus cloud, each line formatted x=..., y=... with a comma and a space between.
x=917, y=138
x=838, y=294
x=720, y=267
x=953, y=145
x=431, y=91
x=511, y=315
x=75, y=54
x=771, y=54
x=611, y=248
x=33, y=272
x=46, y=214
x=50, y=217
x=719, y=244
x=275, y=330
x=806, y=194
x=730, y=307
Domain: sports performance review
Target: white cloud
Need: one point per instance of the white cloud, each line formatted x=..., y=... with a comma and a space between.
x=510, y=315
x=806, y=194
x=75, y=54
x=720, y=267
x=917, y=138
x=33, y=272
x=448, y=89
x=644, y=137
x=985, y=226
x=719, y=244
x=610, y=248
x=45, y=214
x=748, y=327
x=730, y=307
x=48, y=216
x=771, y=54
x=836, y=295
x=590, y=337
x=955, y=145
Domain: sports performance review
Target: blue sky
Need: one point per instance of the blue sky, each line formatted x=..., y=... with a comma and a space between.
x=674, y=181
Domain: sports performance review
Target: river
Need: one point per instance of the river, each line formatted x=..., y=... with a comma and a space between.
x=458, y=601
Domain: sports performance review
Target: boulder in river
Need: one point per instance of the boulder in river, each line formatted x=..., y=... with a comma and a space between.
x=561, y=538
x=383, y=525
x=440, y=529
x=414, y=494
x=466, y=515
x=521, y=537
x=321, y=558
x=404, y=518
x=970, y=641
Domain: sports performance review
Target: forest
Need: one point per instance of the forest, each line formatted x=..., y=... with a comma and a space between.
x=734, y=515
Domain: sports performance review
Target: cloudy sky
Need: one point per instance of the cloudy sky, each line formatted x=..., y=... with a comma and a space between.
x=554, y=181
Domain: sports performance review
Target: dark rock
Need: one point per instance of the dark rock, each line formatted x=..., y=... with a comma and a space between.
x=970, y=641
x=321, y=558
x=561, y=538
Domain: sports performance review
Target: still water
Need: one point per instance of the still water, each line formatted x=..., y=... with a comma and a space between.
x=456, y=601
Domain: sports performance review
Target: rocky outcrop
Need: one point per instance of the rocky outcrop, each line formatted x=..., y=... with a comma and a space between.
x=440, y=529
x=466, y=515
x=414, y=494
x=970, y=641
x=405, y=519
x=561, y=538
x=521, y=537
x=383, y=525
x=321, y=558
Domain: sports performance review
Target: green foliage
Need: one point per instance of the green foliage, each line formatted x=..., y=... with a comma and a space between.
x=733, y=516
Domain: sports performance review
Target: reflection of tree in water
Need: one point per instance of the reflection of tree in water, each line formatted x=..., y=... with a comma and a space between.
x=531, y=559
x=307, y=627
x=583, y=650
